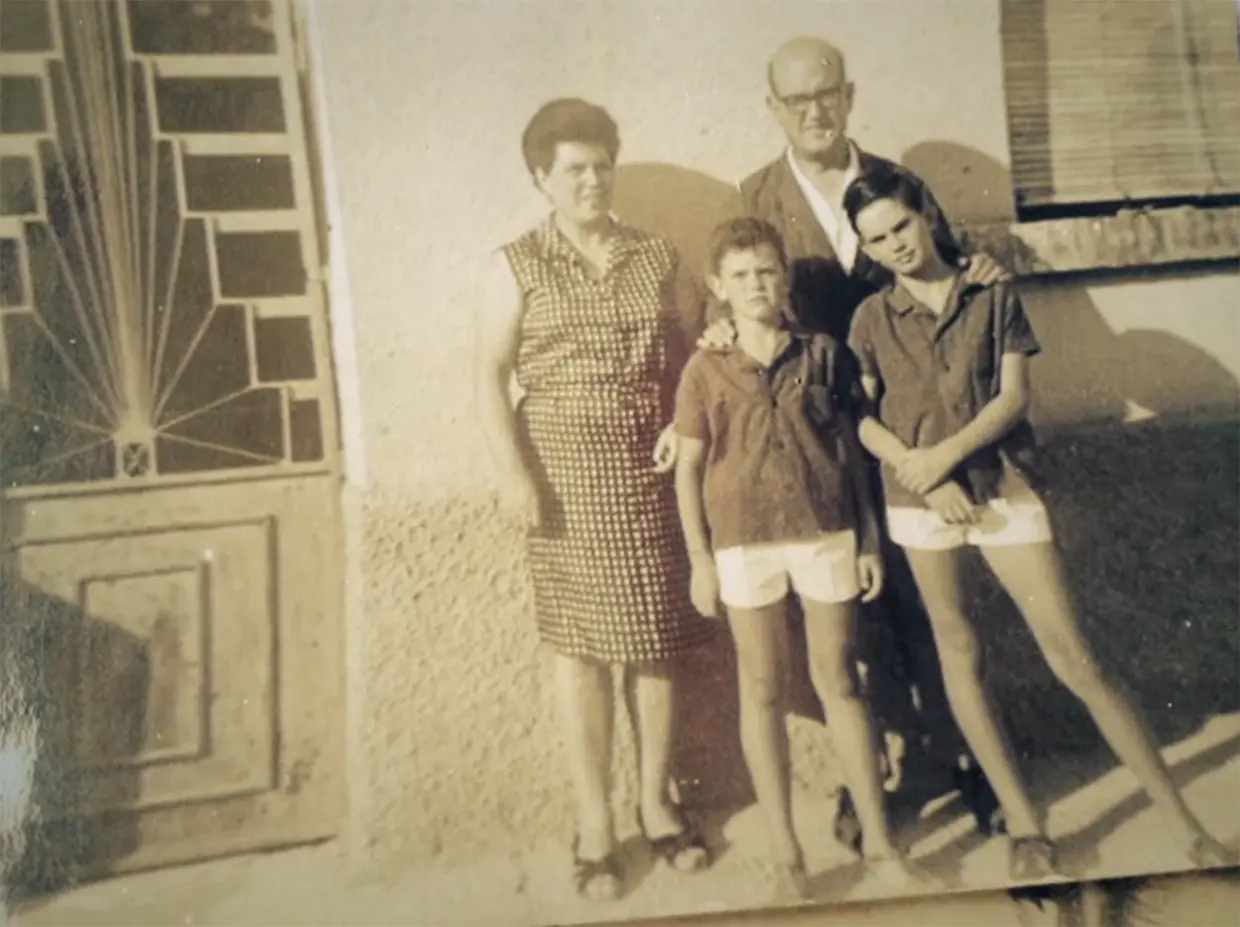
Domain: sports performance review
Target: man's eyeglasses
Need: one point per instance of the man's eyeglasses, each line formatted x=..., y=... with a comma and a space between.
x=800, y=103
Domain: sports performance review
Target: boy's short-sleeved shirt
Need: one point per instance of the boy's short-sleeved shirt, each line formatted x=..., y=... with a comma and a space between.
x=775, y=469
x=937, y=372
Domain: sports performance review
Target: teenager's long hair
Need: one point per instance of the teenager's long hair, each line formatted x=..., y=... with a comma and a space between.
x=884, y=182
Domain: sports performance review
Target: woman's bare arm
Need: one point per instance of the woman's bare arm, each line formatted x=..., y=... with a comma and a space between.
x=497, y=329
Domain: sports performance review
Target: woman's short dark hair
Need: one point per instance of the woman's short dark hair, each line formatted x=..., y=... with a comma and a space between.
x=567, y=120
x=881, y=183
x=744, y=234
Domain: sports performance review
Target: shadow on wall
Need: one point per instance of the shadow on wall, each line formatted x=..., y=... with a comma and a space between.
x=1148, y=515
x=681, y=204
x=54, y=661
x=1086, y=371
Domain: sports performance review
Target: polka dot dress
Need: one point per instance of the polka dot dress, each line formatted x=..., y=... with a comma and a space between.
x=611, y=577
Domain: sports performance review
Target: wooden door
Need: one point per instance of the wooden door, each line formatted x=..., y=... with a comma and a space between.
x=169, y=456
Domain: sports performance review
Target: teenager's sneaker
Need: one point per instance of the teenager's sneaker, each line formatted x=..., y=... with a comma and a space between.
x=1032, y=859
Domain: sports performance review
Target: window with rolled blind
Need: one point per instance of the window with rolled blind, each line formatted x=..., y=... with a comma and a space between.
x=1121, y=102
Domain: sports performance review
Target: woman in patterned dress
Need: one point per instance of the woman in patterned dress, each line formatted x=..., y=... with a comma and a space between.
x=589, y=315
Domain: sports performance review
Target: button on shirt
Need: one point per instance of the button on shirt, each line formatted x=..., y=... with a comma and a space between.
x=937, y=372
x=772, y=472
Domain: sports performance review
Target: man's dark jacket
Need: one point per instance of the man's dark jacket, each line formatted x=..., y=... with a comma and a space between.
x=824, y=295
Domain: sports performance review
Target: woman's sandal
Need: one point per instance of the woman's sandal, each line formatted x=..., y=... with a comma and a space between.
x=588, y=872
x=674, y=847
x=1031, y=859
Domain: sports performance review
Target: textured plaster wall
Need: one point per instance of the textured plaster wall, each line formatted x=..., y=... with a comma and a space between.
x=453, y=751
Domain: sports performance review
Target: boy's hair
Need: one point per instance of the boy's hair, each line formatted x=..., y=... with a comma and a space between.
x=744, y=234
x=881, y=183
x=567, y=120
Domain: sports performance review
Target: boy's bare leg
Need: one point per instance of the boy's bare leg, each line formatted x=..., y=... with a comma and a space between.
x=829, y=630
x=761, y=636
x=940, y=582
x=1032, y=574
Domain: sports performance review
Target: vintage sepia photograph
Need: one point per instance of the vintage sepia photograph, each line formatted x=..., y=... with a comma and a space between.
x=582, y=461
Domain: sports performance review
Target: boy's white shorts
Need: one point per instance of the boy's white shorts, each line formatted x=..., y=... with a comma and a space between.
x=823, y=569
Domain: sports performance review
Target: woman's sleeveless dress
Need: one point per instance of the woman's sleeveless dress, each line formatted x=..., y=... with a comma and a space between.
x=610, y=574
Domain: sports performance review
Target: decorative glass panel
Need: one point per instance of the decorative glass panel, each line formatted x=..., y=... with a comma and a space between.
x=17, y=191
x=224, y=183
x=11, y=290
x=25, y=26
x=73, y=442
x=219, y=104
x=254, y=264
x=253, y=419
x=305, y=431
x=284, y=349
x=200, y=27
x=21, y=105
x=133, y=349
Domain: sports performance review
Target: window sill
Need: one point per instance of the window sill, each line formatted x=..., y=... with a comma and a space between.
x=1137, y=238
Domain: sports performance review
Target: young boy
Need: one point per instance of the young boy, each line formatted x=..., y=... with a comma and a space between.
x=774, y=497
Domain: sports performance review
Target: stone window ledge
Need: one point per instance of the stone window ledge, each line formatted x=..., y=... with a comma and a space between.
x=1129, y=239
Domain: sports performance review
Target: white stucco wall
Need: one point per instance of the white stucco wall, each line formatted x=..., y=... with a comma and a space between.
x=453, y=747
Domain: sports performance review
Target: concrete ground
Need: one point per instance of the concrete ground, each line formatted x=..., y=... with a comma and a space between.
x=1106, y=829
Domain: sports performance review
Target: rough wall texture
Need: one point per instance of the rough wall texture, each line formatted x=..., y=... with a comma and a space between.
x=454, y=750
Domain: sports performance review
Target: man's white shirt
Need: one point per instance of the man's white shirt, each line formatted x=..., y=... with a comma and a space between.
x=830, y=216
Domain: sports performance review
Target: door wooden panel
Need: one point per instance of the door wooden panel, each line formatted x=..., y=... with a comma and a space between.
x=172, y=696
x=200, y=698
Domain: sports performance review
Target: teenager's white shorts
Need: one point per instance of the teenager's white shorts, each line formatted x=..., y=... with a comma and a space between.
x=821, y=570
x=1021, y=519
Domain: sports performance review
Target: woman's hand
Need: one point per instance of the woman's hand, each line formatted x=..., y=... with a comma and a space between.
x=919, y=470
x=719, y=336
x=665, y=450
x=704, y=586
x=952, y=504
x=983, y=270
x=870, y=576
